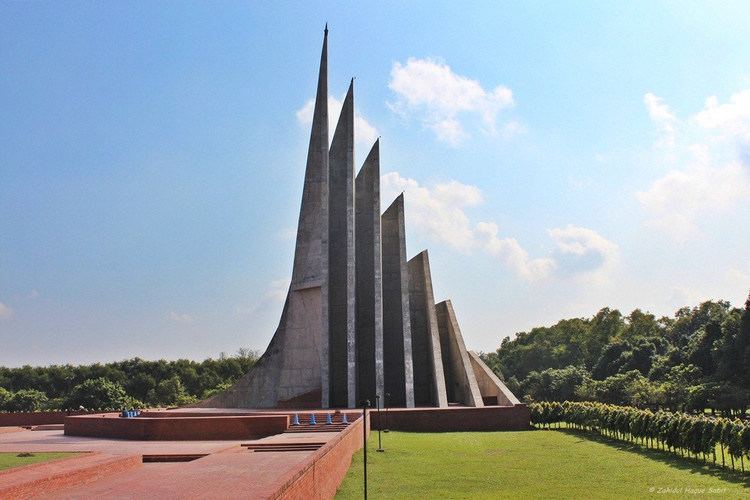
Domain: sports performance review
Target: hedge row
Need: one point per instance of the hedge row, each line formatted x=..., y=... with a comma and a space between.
x=680, y=433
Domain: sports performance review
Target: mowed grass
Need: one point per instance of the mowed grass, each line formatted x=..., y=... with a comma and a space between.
x=531, y=464
x=8, y=460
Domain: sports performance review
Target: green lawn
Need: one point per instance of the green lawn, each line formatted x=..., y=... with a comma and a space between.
x=531, y=464
x=8, y=460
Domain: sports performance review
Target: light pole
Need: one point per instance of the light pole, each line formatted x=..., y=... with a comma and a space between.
x=380, y=423
x=387, y=398
x=365, y=405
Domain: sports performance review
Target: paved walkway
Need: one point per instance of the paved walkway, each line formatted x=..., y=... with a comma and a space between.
x=228, y=470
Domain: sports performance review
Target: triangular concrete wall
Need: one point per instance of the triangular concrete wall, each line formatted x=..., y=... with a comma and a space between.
x=397, y=352
x=460, y=383
x=369, y=283
x=295, y=362
x=429, y=379
x=341, y=318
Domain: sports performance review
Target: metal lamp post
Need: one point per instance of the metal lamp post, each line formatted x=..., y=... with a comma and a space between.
x=365, y=405
x=387, y=398
x=380, y=423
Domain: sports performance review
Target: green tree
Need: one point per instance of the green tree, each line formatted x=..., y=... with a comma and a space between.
x=98, y=394
x=27, y=400
x=171, y=392
x=5, y=397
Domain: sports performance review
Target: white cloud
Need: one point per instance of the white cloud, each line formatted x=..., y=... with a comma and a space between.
x=712, y=178
x=440, y=213
x=182, y=318
x=583, y=251
x=277, y=290
x=5, y=311
x=730, y=119
x=662, y=117
x=512, y=254
x=437, y=211
x=287, y=233
x=439, y=97
x=365, y=133
x=275, y=293
x=675, y=202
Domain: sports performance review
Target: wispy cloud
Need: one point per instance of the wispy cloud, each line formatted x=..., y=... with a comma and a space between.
x=509, y=251
x=439, y=211
x=663, y=118
x=714, y=175
x=365, y=133
x=275, y=293
x=182, y=318
x=277, y=290
x=583, y=251
x=5, y=311
x=446, y=102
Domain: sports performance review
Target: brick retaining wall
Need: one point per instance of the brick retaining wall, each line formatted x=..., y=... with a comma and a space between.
x=176, y=428
x=488, y=418
x=322, y=473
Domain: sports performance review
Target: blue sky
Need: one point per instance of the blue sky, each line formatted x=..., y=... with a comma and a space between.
x=556, y=158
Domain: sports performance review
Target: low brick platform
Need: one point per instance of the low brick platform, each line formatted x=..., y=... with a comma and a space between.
x=454, y=419
x=46, y=477
x=177, y=427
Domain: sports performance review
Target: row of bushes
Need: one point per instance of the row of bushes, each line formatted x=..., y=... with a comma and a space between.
x=98, y=394
x=680, y=433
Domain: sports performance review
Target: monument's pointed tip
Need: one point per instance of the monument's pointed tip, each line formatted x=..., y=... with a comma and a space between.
x=349, y=94
x=325, y=30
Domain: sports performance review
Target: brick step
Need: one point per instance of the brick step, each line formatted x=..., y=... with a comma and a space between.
x=282, y=447
x=281, y=450
x=315, y=428
x=276, y=445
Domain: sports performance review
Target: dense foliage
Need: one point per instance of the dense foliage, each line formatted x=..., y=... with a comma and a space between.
x=113, y=386
x=681, y=433
x=700, y=358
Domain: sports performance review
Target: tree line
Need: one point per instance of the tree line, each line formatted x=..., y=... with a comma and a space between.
x=681, y=433
x=132, y=383
x=699, y=358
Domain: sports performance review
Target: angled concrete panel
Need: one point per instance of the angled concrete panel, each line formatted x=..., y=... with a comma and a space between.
x=397, y=351
x=341, y=260
x=291, y=367
x=493, y=390
x=460, y=383
x=368, y=282
x=429, y=381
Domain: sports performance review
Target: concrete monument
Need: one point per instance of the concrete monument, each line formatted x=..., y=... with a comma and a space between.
x=359, y=320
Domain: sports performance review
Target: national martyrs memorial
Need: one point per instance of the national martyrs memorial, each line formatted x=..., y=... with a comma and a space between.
x=359, y=320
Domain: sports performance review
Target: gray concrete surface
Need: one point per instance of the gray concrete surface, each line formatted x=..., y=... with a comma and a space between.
x=490, y=386
x=460, y=384
x=397, y=357
x=341, y=259
x=291, y=366
x=369, y=284
x=429, y=381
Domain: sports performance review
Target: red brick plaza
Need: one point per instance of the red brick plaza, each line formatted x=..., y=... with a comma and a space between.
x=183, y=454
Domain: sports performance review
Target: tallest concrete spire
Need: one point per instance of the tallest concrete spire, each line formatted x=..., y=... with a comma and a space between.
x=313, y=212
x=294, y=369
